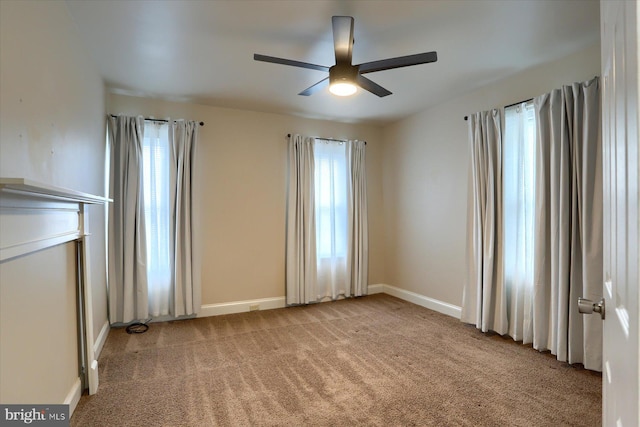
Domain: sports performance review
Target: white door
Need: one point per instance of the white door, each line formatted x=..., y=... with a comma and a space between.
x=621, y=345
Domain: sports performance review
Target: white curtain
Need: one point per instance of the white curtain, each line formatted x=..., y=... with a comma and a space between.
x=151, y=235
x=358, y=218
x=518, y=214
x=301, y=236
x=186, y=292
x=484, y=300
x=536, y=299
x=568, y=223
x=331, y=215
x=127, y=232
x=327, y=238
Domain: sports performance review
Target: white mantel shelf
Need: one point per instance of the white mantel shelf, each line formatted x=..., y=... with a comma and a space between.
x=34, y=216
x=39, y=189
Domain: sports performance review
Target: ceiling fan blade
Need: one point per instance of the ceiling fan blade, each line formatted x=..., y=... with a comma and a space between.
x=274, y=60
x=315, y=88
x=399, y=62
x=372, y=87
x=343, y=38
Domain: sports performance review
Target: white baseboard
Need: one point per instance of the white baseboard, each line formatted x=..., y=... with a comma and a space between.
x=264, y=303
x=73, y=397
x=241, y=306
x=279, y=302
x=102, y=338
x=430, y=303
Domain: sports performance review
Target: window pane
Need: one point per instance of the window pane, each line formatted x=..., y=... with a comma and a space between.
x=518, y=213
x=330, y=199
x=157, y=210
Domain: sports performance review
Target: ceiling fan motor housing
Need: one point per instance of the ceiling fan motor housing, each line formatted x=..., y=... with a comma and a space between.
x=343, y=73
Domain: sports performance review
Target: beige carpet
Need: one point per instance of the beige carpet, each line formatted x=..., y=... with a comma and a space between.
x=372, y=361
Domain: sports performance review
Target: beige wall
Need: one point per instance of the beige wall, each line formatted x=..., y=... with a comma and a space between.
x=46, y=366
x=425, y=164
x=242, y=165
x=52, y=113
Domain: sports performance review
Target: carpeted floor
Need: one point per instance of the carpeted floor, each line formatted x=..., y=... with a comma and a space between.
x=372, y=361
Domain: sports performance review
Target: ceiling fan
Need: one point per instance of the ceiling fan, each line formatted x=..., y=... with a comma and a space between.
x=344, y=76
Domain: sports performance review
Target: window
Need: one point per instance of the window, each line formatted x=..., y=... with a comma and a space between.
x=519, y=158
x=329, y=259
x=157, y=211
x=330, y=199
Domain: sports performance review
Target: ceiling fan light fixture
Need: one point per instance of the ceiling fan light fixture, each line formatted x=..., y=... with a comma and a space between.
x=343, y=88
x=342, y=80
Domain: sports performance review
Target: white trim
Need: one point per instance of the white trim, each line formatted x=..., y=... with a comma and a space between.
x=430, y=303
x=87, y=287
x=73, y=397
x=30, y=247
x=102, y=338
x=29, y=225
x=240, y=306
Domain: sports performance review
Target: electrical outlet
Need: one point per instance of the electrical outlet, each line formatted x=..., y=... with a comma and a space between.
x=254, y=307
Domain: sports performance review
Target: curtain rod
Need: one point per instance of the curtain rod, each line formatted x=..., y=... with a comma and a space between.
x=155, y=120
x=516, y=103
x=327, y=139
x=507, y=106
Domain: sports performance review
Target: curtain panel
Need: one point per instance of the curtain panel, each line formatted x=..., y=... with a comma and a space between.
x=484, y=298
x=128, y=298
x=186, y=290
x=568, y=223
x=358, y=219
x=331, y=210
x=301, y=236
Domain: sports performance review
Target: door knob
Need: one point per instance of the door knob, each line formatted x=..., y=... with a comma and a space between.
x=586, y=306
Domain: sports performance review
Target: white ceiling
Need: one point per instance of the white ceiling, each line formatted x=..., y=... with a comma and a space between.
x=202, y=51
